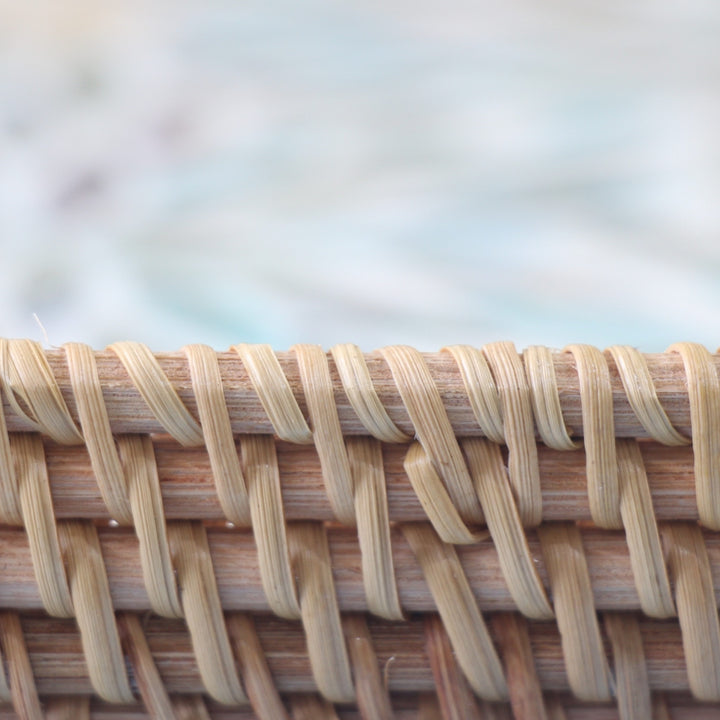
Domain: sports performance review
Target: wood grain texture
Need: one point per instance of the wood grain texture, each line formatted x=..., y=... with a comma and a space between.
x=406, y=706
x=234, y=558
x=129, y=413
x=188, y=489
x=56, y=656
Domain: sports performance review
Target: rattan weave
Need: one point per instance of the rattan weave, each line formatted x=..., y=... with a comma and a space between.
x=473, y=533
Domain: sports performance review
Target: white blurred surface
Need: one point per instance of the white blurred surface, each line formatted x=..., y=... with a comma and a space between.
x=422, y=173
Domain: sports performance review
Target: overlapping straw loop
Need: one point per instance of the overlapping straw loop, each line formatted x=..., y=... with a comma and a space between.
x=346, y=507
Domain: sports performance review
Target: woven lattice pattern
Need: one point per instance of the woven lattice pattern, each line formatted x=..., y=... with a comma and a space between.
x=470, y=533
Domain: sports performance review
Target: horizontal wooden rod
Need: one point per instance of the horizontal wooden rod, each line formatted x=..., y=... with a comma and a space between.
x=405, y=707
x=129, y=413
x=189, y=492
x=59, y=665
x=235, y=562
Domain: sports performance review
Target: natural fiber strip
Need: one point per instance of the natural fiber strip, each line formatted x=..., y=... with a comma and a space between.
x=152, y=689
x=10, y=511
x=190, y=707
x=215, y=422
x=68, y=708
x=275, y=393
x=189, y=491
x=519, y=427
x=373, y=699
x=696, y=606
x=481, y=390
x=704, y=393
x=642, y=396
x=33, y=392
x=320, y=614
x=327, y=433
x=311, y=707
x=455, y=697
x=90, y=591
x=161, y=397
x=660, y=708
x=585, y=661
x=488, y=473
x=236, y=559
x=555, y=708
x=643, y=539
x=540, y=372
x=25, y=698
x=371, y=512
x=259, y=683
x=428, y=707
x=359, y=388
x=435, y=498
x=39, y=520
x=95, y=424
x=143, y=487
x=432, y=427
x=203, y=612
x=134, y=496
x=631, y=680
x=268, y=523
x=526, y=695
x=599, y=435
x=459, y=611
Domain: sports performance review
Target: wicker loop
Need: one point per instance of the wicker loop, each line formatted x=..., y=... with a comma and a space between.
x=143, y=486
x=481, y=390
x=585, y=660
x=98, y=436
x=519, y=428
x=203, y=612
x=268, y=521
x=33, y=392
x=503, y=522
x=152, y=690
x=704, y=393
x=373, y=698
x=22, y=690
x=261, y=690
x=39, y=522
x=651, y=578
x=327, y=434
x=88, y=583
x=330, y=488
x=597, y=408
x=526, y=697
x=275, y=393
x=358, y=386
x=157, y=391
x=217, y=433
x=373, y=526
x=540, y=373
x=459, y=611
x=319, y=610
x=632, y=686
x=642, y=396
x=432, y=427
x=697, y=608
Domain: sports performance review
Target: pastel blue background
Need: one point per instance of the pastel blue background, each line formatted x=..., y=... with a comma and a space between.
x=424, y=173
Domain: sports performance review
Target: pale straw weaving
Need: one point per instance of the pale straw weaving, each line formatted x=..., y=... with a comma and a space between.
x=472, y=533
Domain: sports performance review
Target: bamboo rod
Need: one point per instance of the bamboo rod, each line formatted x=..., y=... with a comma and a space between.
x=405, y=706
x=235, y=563
x=189, y=492
x=59, y=665
x=129, y=413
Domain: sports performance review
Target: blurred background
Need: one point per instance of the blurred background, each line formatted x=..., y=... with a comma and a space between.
x=424, y=173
